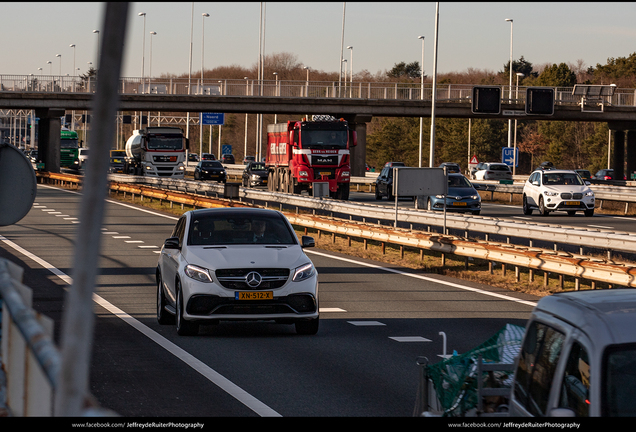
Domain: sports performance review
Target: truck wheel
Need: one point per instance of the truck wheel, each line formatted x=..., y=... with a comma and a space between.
x=343, y=192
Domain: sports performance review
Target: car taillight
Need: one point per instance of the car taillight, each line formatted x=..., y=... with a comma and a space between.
x=607, y=178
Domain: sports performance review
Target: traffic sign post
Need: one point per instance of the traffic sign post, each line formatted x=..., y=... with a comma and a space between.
x=510, y=156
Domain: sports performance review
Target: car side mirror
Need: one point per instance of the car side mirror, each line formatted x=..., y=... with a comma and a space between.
x=172, y=243
x=587, y=183
x=307, y=242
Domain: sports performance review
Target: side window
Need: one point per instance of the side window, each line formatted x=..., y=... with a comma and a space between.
x=537, y=362
x=576, y=382
x=179, y=229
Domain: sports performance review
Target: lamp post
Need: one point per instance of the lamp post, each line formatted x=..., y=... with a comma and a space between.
x=203, y=17
x=307, y=82
x=350, y=72
x=510, y=86
x=73, y=46
x=60, y=56
x=152, y=33
x=421, y=98
x=514, y=153
x=190, y=72
x=276, y=94
x=50, y=63
x=345, y=76
x=97, y=60
x=143, y=51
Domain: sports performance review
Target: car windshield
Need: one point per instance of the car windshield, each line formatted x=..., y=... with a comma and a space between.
x=68, y=143
x=498, y=168
x=458, y=182
x=211, y=164
x=619, y=387
x=233, y=228
x=258, y=167
x=558, y=179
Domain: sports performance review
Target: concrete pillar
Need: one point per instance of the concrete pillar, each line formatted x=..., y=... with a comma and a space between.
x=619, y=154
x=49, y=127
x=631, y=153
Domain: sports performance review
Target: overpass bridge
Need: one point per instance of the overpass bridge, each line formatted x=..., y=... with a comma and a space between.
x=52, y=96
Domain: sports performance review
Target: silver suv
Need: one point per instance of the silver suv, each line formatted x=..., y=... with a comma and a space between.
x=557, y=190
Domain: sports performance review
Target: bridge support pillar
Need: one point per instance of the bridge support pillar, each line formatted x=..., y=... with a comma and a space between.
x=618, y=156
x=630, y=153
x=49, y=127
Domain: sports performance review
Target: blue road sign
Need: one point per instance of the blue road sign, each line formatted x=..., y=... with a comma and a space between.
x=510, y=155
x=226, y=149
x=212, y=118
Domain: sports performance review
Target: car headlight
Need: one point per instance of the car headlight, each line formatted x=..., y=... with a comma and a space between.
x=439, y=196
x=304, y=272
x=256, y=177
x=475, y=197
x=303, y=173
x=345, y=174
x=589, y=193
x=198, y=273
x=548, y=193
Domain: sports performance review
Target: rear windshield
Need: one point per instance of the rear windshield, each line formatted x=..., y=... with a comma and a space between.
x=211, y=164
x=619, y=381
x=499, y=168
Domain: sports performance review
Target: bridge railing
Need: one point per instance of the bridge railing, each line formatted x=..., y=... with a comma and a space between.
x=289, y=88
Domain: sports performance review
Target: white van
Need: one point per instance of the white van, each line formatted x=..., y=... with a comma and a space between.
x=83, y=156
x=578, y=356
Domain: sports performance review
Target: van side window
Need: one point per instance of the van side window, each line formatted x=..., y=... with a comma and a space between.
x=576, y=382
x=179, y=229
x=537, y=362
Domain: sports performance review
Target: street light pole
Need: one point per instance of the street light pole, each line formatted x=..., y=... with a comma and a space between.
x=350, y=72
x=97, y=60
x=204, y=15
x=190, y=71
x=421, y=98
x=143, y=53
x=510, y=86
x=60, y=56
x=514, y=153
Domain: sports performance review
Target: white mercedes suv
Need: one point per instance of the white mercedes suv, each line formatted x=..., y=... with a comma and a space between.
x=557, y=190
x=236, y=264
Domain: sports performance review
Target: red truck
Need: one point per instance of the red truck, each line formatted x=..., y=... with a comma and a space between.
x=301, y=153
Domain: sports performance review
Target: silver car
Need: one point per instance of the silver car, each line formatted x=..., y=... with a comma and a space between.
x=492, y=171
x=236, y=264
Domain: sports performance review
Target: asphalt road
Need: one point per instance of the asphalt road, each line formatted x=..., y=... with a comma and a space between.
x=375, y=322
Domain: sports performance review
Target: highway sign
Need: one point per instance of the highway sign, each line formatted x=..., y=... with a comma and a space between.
x=510, y=156
x=473, y=160
x=226, y=149
x=212, y=118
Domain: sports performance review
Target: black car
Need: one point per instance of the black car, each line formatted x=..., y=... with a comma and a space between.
x=255, y=174
x=210, y=170
x=451, y=167
x=207, y=156
x=384, y=182
x=228, y=159
x=605, y=174
x=543, y=166
x=116, y=165
x=193, y=157
x=585, y=174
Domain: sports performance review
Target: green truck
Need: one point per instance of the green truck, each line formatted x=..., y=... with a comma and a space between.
x=69, y=149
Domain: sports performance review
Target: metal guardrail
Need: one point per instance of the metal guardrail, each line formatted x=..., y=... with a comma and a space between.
x=574, y=236
x=29, y=358
x=289, y=88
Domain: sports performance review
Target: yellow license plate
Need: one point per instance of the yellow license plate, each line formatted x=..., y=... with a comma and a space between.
x=264, y=181
x=459, y=203
x=325, y=173
x=572, y=203
x=253, y=295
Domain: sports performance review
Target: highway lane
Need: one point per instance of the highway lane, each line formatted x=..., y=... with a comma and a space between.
x=375, y=322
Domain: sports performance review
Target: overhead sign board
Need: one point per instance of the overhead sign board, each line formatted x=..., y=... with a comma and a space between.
x=212, y=118
x=419, y=181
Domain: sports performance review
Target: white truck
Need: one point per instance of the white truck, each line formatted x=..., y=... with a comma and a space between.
x=576, y=358
x=157, y=152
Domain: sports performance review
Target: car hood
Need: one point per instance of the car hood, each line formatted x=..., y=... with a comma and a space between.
x=462, y=192
x=568, y=188
x=246, y=256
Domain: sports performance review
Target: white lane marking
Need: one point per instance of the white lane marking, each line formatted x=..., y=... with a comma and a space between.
x=409, y=339
x=223, y=383
x=147, y=247
x=428, y=279
x=110, y=232
x=331, y=310
x=601, y=226
x=61, y=215
x=70, y=218
x=366, y=323
x=134, y=241
x=120, y=237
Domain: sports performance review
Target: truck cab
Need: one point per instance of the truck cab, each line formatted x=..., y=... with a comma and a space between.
x=578, y=356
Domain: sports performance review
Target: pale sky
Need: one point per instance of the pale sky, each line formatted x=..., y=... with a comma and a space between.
x=471, y=35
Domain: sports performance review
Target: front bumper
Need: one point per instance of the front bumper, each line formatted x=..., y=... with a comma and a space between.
x=456, y=205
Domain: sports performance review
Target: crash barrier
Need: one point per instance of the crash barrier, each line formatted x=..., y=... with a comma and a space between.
x=548, y=261
x=474, y=383
x=29, y=358
x=529, y=231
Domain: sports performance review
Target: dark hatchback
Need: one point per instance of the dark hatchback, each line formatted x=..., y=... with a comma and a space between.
x=255, y=174
x=462, y=196
x=228, y=159
x=384, y=182
x=210, y=170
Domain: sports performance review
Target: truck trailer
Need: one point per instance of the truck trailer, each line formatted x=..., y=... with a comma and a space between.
x=303, y=153
x=156, y=152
